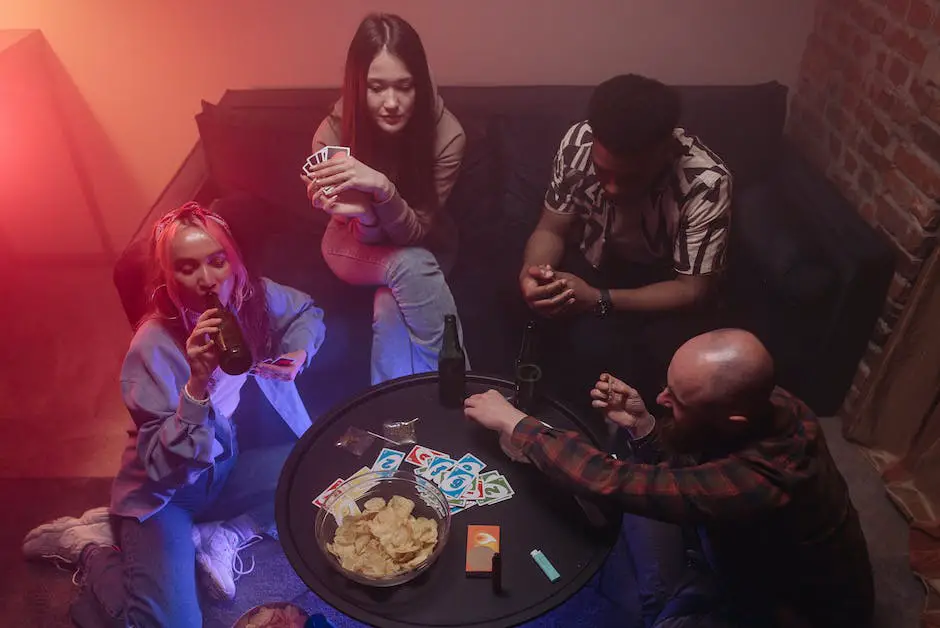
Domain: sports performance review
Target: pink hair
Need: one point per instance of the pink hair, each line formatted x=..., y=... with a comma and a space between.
x=194, y=215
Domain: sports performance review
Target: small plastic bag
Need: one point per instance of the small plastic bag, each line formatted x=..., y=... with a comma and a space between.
x=401, y=432
x=355, y=441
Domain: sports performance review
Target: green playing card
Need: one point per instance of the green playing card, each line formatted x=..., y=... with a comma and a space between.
x=496, y=488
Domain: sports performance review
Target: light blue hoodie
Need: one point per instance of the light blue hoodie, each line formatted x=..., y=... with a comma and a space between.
x=174, y=440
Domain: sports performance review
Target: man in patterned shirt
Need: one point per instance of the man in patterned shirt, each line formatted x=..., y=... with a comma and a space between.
x=631, y=238
x=748, y=467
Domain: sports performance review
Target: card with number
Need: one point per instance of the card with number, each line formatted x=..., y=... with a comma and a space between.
x=321, y=499
x=388, y=460
x=471, y=464
x=435, y=469
x=496, y=488
x=475, y=491
x=419, y=456
x=457, y=481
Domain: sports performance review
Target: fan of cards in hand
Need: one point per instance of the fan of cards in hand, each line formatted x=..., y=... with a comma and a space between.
x=462, y=481
x=322, y=155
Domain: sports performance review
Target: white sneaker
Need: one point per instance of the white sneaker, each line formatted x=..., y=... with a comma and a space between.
x=218, y=560
x=66, y=537
x=60, y=525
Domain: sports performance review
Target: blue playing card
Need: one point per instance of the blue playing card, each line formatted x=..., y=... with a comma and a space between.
x=388, y=460
x=471, y=464
x=456, y=482
x=437, y=468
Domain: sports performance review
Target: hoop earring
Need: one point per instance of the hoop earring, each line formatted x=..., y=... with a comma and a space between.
x=156, y=304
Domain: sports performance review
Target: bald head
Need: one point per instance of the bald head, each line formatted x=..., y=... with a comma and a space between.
x=729, y=368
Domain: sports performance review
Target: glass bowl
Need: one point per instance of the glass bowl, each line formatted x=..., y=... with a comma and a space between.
x=254, y=614
x=429, y=502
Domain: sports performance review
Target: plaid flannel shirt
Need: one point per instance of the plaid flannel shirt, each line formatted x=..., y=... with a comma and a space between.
x=774, y=517
x=739, y=486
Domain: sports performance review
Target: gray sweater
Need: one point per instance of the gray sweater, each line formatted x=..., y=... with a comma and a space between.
x=174, y=440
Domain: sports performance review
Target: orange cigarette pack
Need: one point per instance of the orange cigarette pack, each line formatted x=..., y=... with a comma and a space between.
x=482, y=544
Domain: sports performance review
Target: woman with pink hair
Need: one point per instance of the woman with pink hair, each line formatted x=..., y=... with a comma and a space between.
x=186, y=497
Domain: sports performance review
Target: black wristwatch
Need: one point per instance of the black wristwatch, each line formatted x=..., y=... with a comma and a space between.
x=603, y=305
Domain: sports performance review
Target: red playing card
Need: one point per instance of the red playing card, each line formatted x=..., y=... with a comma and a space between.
x=419, y=456
x=475, y=491
x=319, y=501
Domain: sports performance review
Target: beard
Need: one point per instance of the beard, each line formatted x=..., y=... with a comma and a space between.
x=691, y=436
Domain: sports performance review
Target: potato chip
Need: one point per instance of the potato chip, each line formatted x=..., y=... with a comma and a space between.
x=268, y=617
x=385, y=539
x=375, y=504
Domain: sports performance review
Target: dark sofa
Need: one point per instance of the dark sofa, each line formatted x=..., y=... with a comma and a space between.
x=806, y=273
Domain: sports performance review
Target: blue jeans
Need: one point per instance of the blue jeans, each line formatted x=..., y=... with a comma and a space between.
x=151, y=580
x=410, y=304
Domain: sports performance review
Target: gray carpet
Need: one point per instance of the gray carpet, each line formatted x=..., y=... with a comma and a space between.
x=38, y=595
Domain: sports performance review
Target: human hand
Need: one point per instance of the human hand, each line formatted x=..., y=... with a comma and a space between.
x=543, y=291
x=491, y=410
x=584, y=296
x=621, y=404
x=285, y=373
x=202, y=354
x=344, y=172
x=351, y=203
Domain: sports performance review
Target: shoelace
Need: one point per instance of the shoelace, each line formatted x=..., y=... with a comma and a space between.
x=61, y=563
x=238, y=566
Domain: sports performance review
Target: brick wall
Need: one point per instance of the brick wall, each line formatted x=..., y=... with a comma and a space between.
x=866, y=111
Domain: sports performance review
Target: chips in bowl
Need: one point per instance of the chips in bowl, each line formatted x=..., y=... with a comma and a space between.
x=386, y=539
x=398, y=527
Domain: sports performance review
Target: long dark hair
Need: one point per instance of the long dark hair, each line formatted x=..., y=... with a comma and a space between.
x=248, y=300
x=415, y=151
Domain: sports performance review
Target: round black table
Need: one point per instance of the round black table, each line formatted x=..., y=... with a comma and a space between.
x=539, y=516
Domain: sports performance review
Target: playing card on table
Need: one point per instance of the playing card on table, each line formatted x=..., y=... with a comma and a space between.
x=471, y=464
x=458, y=505
x=435, y=469
x=496, y=488
x=362, y=489
x=388, y=460
x=345, y=507
x=456, y=482
x=321, y=499
x=420, y=456
x=474, y=492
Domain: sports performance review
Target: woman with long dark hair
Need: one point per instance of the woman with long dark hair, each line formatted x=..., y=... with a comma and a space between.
x=183, y=463
x=386, y=199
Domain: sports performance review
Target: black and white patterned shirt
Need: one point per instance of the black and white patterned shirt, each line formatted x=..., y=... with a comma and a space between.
x=686, y=215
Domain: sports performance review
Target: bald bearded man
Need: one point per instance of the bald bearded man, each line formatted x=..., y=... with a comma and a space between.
x=742, y=461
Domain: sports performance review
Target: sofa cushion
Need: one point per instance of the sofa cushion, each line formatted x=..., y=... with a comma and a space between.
x=742, y=124
x=762, y=248
x=259, y=153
